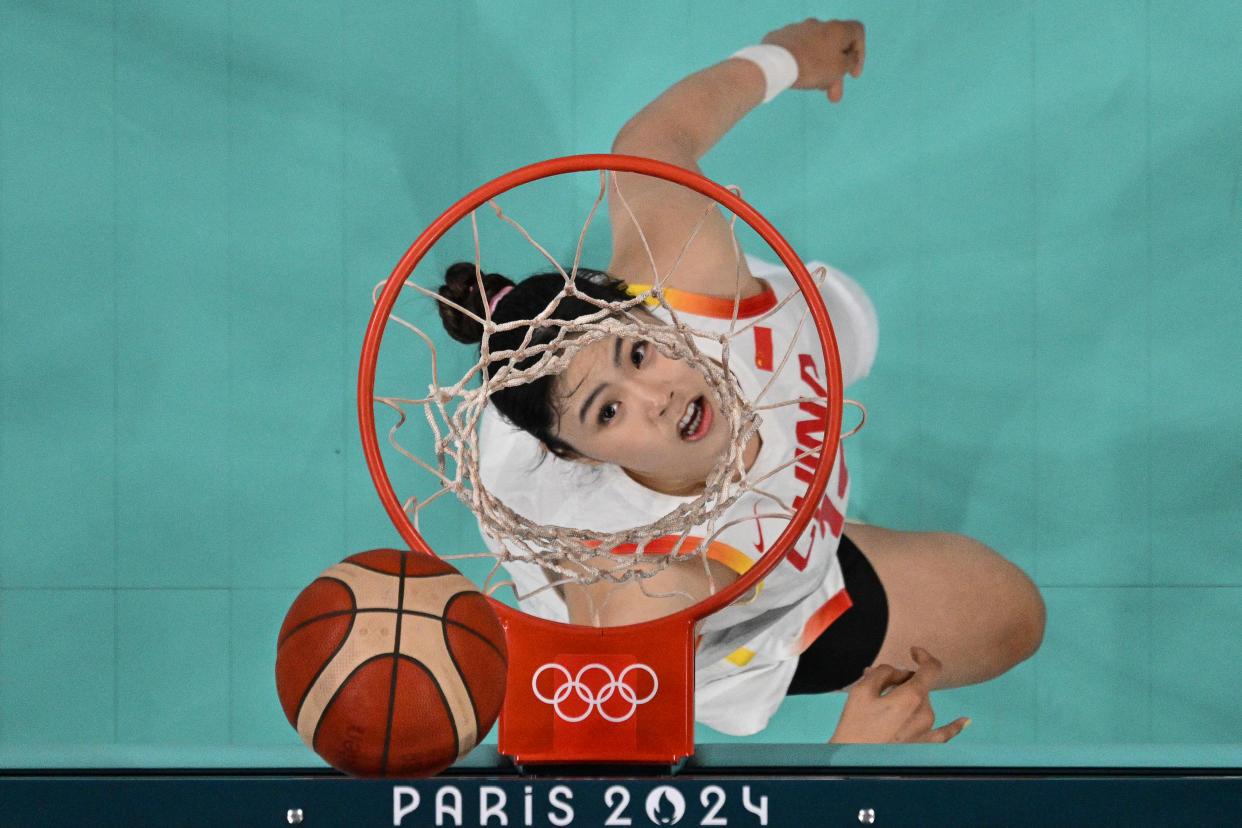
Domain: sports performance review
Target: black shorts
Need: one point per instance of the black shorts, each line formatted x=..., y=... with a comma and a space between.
x=851, y=643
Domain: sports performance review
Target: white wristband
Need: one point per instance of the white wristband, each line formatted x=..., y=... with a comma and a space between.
x=779, y=66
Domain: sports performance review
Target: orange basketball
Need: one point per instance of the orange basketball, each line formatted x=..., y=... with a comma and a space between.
x=391, y=664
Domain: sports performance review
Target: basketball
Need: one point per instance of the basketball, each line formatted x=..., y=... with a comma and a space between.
x=391, y=663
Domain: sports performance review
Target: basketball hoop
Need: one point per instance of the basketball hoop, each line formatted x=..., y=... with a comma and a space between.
x=602, y=694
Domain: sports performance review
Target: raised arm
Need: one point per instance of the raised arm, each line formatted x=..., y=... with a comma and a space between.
x=679, y=127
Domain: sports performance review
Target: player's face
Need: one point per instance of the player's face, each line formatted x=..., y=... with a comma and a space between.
x=623, y=401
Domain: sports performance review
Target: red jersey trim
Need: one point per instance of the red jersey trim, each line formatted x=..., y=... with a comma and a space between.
x=738, y=561
x=715, y=307
x=823, y=618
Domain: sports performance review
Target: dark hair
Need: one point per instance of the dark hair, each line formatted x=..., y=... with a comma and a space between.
x=529, y=406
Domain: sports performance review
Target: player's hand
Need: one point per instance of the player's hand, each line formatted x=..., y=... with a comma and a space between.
x=826, y=52
x=892, y=705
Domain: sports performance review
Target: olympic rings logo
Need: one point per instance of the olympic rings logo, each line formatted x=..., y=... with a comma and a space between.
x=594, y=700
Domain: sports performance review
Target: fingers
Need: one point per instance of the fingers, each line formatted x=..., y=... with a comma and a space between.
x=881, y=677
x=857, y=49
x=927, y=670
x=910, y=690
x=946, y=732
x=849, y=38
x=928, y=667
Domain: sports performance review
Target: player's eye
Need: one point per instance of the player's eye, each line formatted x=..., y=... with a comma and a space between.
x=607, y=412
x=638, y=354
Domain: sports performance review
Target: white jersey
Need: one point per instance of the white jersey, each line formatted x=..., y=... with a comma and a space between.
x=747, y=652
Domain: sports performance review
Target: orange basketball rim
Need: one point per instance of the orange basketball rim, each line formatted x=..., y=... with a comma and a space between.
x=578, y=694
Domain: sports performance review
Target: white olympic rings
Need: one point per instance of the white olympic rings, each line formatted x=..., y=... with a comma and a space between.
x=615, y=685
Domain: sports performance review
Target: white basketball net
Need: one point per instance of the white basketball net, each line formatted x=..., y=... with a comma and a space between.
x=453, y=412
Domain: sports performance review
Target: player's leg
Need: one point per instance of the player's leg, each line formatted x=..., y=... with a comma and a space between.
x=953, y=596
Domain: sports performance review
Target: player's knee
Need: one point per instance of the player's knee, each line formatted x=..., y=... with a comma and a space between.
x=1031, y=621
x=1025, y=614
x=1020, y=630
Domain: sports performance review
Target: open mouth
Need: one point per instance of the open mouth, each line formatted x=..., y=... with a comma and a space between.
x=696, y=421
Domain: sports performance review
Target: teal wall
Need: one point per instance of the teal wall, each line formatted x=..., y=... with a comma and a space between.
x=196, y=199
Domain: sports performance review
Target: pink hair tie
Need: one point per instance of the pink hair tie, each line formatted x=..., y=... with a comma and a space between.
x=491, y=306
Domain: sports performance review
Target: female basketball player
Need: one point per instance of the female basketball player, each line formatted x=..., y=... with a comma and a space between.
x=633, y=432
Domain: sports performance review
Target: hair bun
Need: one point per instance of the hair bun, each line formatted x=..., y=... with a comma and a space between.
x=461, y=286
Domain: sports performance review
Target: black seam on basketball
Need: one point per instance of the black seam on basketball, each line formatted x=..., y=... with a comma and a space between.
x=448, y=707
x=396, y=655
x=325, y=617
x=363, y=610
x=353, y=599
x=398, y=574
x=503, y=656
x=340, y=687
x=448, y=648
x=315, y=678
